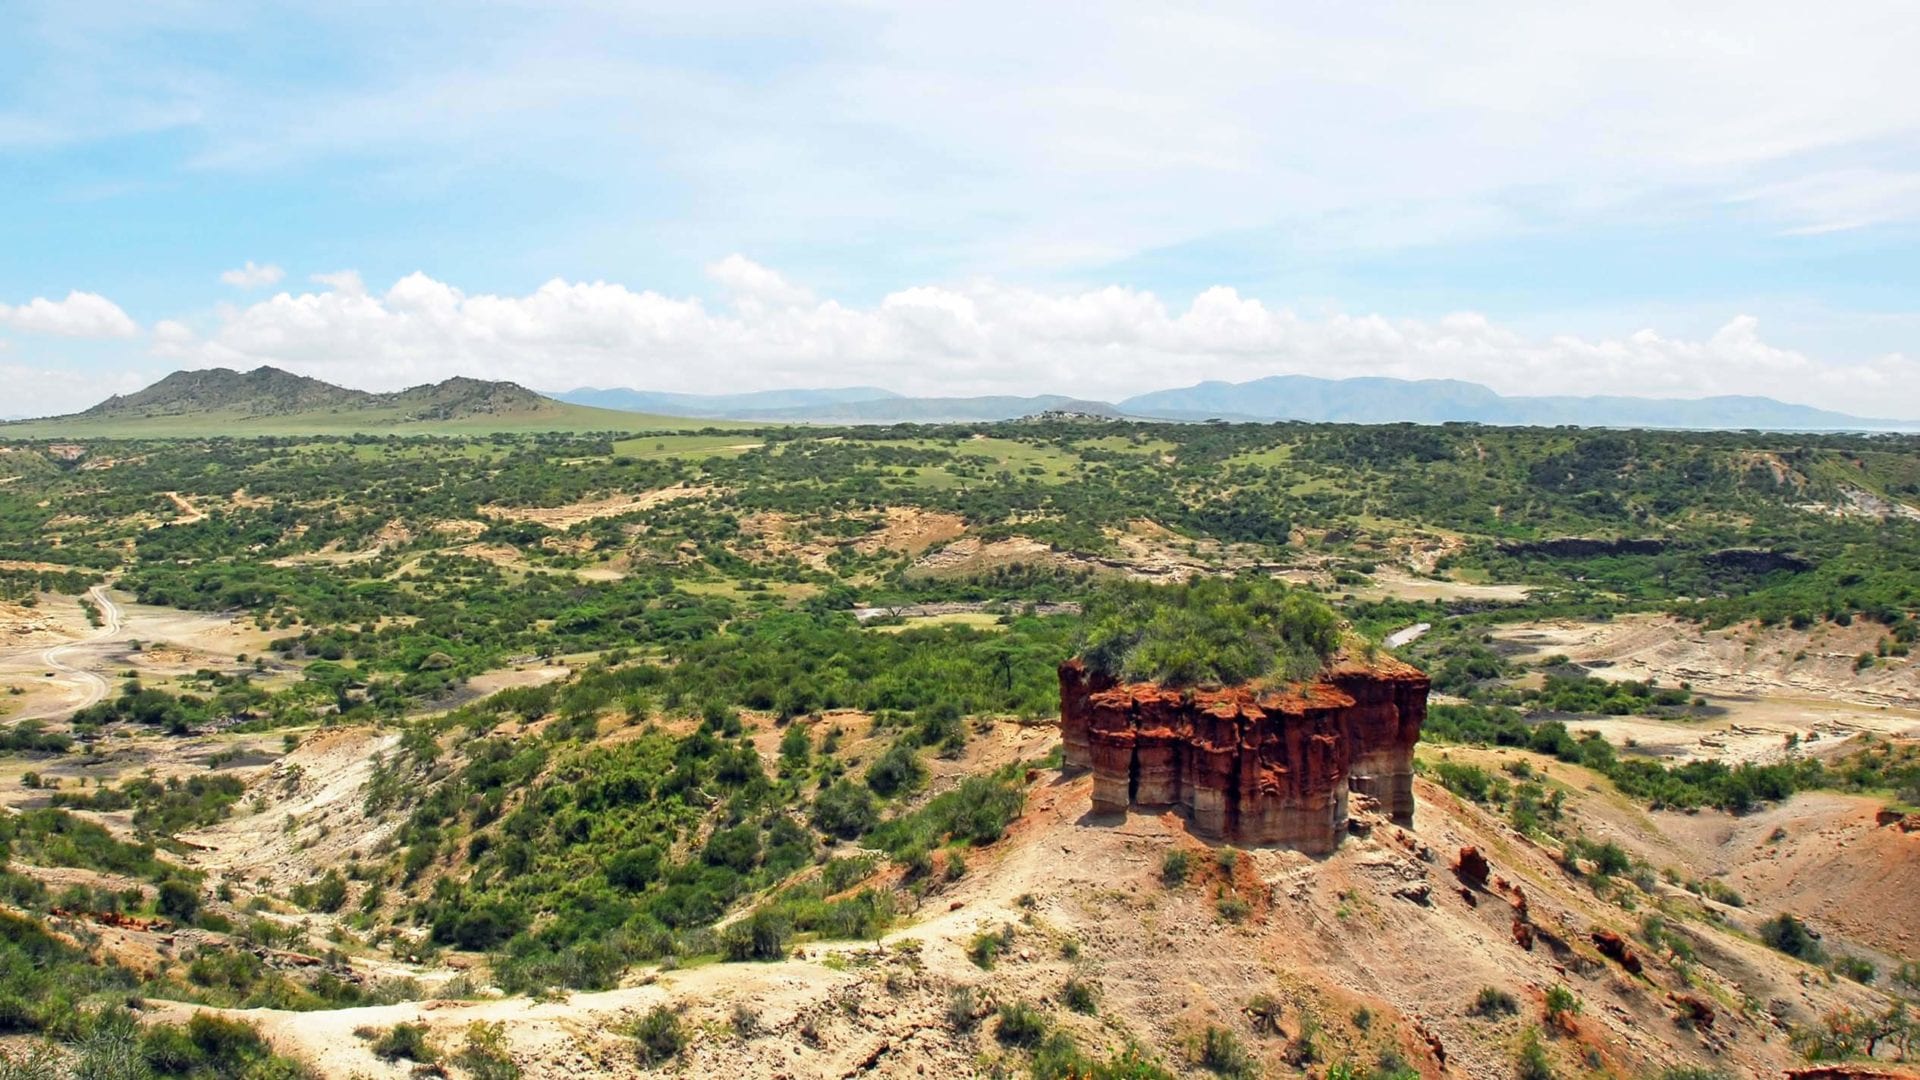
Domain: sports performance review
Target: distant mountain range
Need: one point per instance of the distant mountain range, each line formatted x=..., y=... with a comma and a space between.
x=848, y=405
x=1277, y=397
x=268, y=400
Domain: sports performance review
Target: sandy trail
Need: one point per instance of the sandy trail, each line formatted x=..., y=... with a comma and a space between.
x=189, y=513
x=91, y=687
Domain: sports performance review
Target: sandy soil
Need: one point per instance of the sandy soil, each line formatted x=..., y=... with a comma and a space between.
x=912, y=530
x=1399, y=585
x=318, y=787
x=189, y=513
x=1762, y=686
x=67, y=668
x=1326, y=936
x=563, y=517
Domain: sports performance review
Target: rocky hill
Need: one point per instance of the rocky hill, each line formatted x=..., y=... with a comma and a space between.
x=269, y=391
x=264, y=391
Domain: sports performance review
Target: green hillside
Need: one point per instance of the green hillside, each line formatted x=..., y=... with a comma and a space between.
x=271, y=402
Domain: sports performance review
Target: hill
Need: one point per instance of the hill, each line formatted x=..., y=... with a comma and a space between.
x=1440, y=401
x=721, y=405
x=1365, y=400
x=270, y=401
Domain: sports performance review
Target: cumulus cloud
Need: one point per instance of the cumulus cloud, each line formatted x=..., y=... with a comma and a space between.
x=253, y=275
x=80, y=315
x=48, y=391
x=983, y=337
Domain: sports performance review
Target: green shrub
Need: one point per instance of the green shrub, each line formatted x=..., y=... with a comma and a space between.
x=1791, y=936
x=761, y=936
x=404, y=1041
x=845, y=810
x=963, y=1008
x=1493, y=1003
x=1221, y=1052
x=1857, y=968
x=1532, y=1063
x=1078, y=996
x=1561, y=1003
x=484, y=1053
x=658, y=1037
x=896, y=772
x=1020, y=1024
x=987, y=945
x=1174, y=868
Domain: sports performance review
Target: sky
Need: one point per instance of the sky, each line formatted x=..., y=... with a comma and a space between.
x=937, y=198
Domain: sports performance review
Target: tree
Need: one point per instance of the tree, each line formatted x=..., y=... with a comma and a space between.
x=178, y=900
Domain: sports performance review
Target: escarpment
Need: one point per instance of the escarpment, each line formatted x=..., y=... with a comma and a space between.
x=1251, y=764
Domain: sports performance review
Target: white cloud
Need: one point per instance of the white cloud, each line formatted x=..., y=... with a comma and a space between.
x=253, y=275
x=983, y=337
x=80, y=315
x=50, y=391
x=341, y=281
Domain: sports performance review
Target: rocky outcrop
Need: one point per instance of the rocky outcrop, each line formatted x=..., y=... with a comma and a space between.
x=1615, y=948
x=1251, y=764
x=1472, y=867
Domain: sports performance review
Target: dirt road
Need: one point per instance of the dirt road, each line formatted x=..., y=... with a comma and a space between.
x=92, y=687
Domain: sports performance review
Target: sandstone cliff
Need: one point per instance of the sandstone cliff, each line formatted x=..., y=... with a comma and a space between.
x=1251, y=764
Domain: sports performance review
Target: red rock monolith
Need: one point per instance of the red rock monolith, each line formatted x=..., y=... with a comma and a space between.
x=1251, y=764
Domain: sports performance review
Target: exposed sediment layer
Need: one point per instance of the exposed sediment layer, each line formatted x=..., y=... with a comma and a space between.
x=1251, y=764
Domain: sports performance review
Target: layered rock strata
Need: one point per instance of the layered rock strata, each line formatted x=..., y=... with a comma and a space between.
x=1251, y=764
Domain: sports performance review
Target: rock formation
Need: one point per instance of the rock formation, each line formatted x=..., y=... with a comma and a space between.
x=1251, y=764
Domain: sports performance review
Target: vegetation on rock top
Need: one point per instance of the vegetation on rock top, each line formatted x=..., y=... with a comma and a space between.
x=1208, y=632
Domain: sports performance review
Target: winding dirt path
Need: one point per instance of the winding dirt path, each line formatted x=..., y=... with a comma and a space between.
x=93, y=687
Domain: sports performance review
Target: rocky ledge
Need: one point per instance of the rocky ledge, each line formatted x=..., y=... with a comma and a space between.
x=1251, y=764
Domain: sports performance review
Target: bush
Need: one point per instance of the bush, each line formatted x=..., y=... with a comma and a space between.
x=1175, y=867
x=1078, y=996
x=484, y=1055
x=987, y=945
x=1020, y=1025
x=1232, y=907
x=760, y=936
x=845, y=810
x=1533, y=1063
x=897, y=771
x=408, y=1041
x=658, y=1037
x=1494, y=1003
x=1857, y=968
x=1561, y=1003
x=1791, y=936
x=178, y=900
x=1222, y=1053
x=963, y=1008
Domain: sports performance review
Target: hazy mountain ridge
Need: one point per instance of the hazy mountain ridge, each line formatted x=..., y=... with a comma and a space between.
x=269, y=393
x=1434, y=401
x=1360, y=400
x=717, y=405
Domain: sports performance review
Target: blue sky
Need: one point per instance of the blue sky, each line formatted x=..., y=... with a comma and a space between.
x=964, y=198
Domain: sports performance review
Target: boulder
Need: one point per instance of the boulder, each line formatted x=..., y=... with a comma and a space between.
x=1615, y=948
x=1472, y=867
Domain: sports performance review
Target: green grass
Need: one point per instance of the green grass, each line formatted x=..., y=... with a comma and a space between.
x=684, y=446
x=556, y=416
x=1271, y=456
